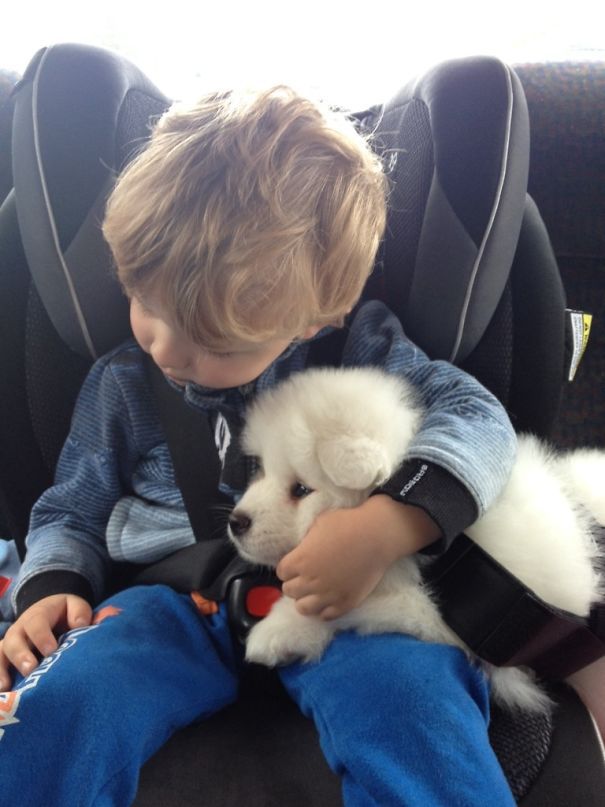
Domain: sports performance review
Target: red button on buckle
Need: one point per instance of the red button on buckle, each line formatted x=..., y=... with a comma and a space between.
x=260, y=600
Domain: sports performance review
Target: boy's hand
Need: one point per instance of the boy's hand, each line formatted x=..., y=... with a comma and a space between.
x=34, y=630
x=346, y=552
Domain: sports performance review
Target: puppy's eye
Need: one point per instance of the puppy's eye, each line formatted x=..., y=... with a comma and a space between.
x=299, y=491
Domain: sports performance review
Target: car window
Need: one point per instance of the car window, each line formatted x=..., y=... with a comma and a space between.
x=354, y=54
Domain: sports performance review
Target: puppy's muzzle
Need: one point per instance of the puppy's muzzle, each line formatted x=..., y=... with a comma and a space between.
x=239, y=523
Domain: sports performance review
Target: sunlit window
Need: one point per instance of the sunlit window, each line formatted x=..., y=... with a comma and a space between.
x=353, y=53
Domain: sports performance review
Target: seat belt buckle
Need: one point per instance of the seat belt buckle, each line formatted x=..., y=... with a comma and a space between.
x=249, y=599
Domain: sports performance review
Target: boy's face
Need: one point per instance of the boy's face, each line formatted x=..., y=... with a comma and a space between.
x=183, y=361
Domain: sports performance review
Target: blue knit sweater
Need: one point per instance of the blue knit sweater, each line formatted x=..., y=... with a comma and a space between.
x=115, y=496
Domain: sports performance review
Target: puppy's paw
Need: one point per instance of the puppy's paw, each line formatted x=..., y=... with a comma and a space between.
x=285, y=636
x=269, y=646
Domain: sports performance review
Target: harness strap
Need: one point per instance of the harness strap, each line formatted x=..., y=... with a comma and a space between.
x=502, y=621
x=211, y=563
x=196, y=464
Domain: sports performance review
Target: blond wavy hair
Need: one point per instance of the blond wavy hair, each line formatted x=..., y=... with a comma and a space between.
x=252, y=216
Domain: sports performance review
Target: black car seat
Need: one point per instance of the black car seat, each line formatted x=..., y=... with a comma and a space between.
x=8, y=79
x=459, y=221
x=567, y=175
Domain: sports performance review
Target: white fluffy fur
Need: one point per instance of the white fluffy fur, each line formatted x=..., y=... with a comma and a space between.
x=341, y=432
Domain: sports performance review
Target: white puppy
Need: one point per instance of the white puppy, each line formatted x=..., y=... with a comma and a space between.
x=326, y=438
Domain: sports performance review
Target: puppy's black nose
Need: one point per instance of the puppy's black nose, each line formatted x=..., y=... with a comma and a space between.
x=239, y=523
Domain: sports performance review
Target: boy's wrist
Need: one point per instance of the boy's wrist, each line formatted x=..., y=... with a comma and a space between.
x=404, y=529
x=46, y=584
x=438, y=493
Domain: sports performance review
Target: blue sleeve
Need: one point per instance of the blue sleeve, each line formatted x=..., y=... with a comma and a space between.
x=66, y=549
x=462, y=456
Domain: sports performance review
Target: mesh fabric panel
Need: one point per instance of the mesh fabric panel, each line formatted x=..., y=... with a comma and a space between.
x=404, y=141
x=54, y=376
x=492, y=360
x=137, y=116
x=521, y=742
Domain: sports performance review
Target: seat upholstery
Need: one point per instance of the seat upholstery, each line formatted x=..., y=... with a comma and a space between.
x=567, y=176
x=8, y=79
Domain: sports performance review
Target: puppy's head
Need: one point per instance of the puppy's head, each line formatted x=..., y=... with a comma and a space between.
x=325, y=439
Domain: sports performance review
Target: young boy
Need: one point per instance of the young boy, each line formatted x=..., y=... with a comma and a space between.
x=245, y=231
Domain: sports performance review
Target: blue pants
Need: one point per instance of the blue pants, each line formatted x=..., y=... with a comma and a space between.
x=402, y=722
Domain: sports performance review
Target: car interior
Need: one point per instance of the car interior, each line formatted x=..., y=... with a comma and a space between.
x=495, y=232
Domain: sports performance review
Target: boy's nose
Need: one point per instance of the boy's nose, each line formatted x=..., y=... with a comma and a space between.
x=169, y=357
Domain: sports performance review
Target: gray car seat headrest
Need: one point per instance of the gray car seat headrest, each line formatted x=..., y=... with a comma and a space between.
x=456, y=144
x=80, y=112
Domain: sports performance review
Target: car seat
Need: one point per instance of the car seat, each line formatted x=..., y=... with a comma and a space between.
x=8, y=79
x=567, y=174
x=456, y=145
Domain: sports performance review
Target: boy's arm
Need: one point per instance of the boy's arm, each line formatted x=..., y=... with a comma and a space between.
x=461, y=457
x=346, y=552
x=66, y=550
x=457, y=464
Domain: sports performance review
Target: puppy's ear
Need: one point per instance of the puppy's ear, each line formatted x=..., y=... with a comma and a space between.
x=354, y=462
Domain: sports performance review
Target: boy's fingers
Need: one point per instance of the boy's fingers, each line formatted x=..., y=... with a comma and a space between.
x=34, y=631
x=286, y=568
x=17, y=651
x=293, y=589
x=280, y=571
x=40, y=634
x=331, y=612
x=5, y=679
x=79, y=613
x=298, y=587
x=311, y=605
